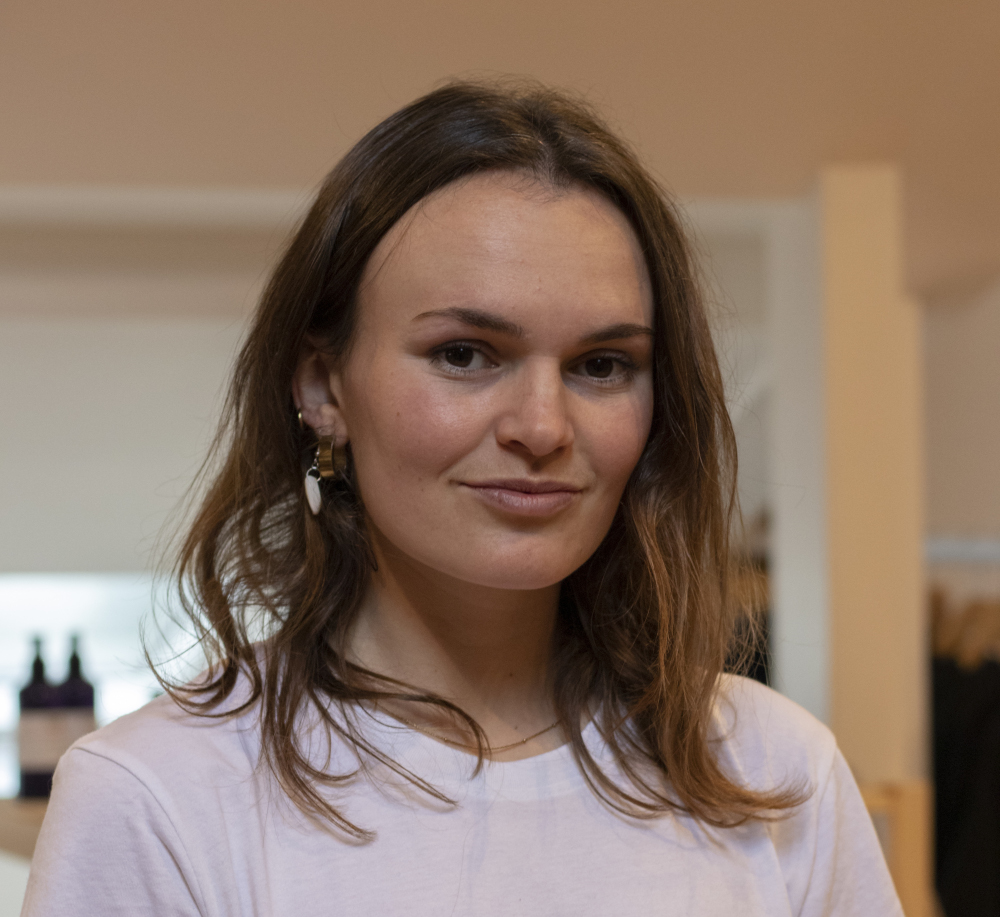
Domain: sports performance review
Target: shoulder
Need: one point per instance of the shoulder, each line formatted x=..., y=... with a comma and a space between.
x=163, y=744
x=129, y=804
x=826, y=846
x=769, y=740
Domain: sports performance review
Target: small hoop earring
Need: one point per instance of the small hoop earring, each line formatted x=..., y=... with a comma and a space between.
x=330, y=461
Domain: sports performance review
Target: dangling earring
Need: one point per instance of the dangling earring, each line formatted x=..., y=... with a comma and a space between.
x=328, y=462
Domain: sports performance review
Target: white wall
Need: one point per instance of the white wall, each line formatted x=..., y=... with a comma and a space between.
x=962, y=404
x=735, y=268
x=104, y=421
x=962, y=351
x=120, y=312
x=772, y=347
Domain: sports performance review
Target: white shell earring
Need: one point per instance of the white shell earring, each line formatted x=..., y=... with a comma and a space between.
x=313, y=497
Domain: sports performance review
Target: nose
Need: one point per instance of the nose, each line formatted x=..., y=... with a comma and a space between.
x=535, y=419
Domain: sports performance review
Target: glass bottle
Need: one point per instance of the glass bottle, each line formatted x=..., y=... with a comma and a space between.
x=35, y=728
x=52, y=719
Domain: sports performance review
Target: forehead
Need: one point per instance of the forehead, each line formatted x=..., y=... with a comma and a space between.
x=509, y=242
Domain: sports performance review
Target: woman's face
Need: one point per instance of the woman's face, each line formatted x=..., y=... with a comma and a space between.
x=498, y=392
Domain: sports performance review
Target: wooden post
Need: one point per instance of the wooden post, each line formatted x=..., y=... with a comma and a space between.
x=875, y=519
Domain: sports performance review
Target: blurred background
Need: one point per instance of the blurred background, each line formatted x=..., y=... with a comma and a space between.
x=838, y=167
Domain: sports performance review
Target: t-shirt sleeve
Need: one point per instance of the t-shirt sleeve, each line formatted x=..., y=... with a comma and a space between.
x=832, y=858
x=107, y=847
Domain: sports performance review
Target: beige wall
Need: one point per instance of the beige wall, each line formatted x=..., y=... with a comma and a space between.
x=724, y=97
x=875, y=482
x=873, y=370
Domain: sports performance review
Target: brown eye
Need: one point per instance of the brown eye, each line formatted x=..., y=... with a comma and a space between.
x=600, y=367
x=459, y=356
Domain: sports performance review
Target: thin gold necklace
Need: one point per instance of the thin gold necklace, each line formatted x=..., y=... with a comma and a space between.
x=464, y=745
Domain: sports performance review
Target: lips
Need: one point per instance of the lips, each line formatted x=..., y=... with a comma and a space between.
x=526, y=486
x=523, y=496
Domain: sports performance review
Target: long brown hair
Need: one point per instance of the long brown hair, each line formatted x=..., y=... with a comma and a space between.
x=644, y=625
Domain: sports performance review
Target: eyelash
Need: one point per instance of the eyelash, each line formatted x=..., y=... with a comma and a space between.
x=438, y=356
x=627, y=364
x=628, y=368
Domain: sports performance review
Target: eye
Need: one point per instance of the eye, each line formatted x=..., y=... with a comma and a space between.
x=461, y=355
x=600, y=367
x=461, y=358
x=607, y=369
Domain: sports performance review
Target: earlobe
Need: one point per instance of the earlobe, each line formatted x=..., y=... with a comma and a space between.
x=316, y=392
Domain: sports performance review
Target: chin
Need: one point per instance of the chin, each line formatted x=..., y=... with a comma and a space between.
x=505, y=560
x=518, y=571
x=519, y=581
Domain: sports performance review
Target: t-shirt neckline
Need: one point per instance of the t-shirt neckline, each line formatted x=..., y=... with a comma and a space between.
x=546, y=775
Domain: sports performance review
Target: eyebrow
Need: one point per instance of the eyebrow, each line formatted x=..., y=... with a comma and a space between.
x=617, y=333
x=477, y=318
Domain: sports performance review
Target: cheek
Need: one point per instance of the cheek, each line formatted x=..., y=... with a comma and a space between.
x=403, y=430
x=616, y=441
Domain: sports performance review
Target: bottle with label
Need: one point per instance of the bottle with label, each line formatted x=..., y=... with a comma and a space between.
x=52, y=719
x=33, y=729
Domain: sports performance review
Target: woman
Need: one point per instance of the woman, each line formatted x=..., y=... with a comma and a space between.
x=475, y=490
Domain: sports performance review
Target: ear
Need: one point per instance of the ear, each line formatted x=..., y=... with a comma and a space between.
x=317, y=392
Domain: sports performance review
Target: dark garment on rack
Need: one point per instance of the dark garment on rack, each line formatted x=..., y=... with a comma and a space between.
x=967, y=788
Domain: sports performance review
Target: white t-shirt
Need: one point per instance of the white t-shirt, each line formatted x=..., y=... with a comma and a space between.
x=163, y=813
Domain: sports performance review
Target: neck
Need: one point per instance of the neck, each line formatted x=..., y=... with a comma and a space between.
x=486, y=650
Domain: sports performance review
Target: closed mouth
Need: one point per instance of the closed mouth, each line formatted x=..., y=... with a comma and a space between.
x=525, y=486
x=525, y=498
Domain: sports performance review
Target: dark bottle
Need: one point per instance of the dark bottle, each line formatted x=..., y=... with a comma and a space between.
x=52, y=719
x=34, y=730
x=76, y=692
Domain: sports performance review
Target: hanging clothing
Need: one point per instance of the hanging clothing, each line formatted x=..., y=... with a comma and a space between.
x=967, y=787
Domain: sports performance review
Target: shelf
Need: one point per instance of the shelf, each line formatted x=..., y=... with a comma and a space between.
x=20, y=822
